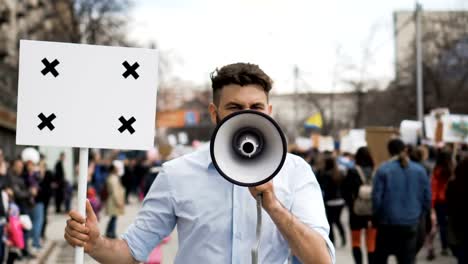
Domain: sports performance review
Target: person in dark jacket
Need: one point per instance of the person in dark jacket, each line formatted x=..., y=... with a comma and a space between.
x=331, y=179
x=457, y=212
x=59, y=183
x=44, y=195
x=400, y=196
x=363, y=164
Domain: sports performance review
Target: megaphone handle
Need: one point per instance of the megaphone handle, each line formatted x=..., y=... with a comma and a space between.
x=259, y=229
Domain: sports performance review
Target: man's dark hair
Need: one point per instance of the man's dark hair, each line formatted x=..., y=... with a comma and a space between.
x=396, y=147
x=241, y=74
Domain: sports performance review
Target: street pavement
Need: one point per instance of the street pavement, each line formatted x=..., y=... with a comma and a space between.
x=60, y=252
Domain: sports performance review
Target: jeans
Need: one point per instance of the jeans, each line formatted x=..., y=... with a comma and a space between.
x=38, y=222
x=397, y=240
x=111, y=227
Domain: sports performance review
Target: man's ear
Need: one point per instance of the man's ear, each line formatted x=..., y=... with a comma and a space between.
x=270, y=109
x=213, y=112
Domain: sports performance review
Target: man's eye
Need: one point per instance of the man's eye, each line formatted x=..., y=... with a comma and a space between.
x=233, y=108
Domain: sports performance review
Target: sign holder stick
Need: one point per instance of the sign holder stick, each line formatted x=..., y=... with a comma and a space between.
x=82, y=182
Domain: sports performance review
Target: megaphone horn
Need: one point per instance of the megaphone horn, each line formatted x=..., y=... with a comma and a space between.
x=248, y=148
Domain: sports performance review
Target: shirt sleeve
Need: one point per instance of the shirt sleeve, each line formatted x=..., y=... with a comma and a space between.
x=308, y=204
x=155, y=220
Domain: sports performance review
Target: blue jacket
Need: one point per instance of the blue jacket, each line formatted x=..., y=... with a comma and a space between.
x=400, y=195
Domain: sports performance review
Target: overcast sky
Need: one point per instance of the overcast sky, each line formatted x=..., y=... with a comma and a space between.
x=200, y=35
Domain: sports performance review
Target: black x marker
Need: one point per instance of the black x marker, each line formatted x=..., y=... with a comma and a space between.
x=127, y=124
x=50, y=67
x=46, y=121
x=130, y=70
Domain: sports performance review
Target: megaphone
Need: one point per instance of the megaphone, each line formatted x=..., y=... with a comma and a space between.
x=248, y=148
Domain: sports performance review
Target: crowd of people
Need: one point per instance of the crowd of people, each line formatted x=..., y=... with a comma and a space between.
x=113, y=179
x=401, y=204
x=29, y=189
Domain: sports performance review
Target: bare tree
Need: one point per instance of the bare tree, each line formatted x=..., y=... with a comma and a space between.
x=356, y=74
x=445, y=62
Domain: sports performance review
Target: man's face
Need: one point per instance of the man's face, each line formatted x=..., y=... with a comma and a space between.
x=235, y=98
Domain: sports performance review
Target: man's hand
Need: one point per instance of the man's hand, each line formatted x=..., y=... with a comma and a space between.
x=269, y=200
x=83, y=232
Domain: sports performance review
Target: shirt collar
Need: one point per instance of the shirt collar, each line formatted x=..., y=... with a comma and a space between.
x=206, y=156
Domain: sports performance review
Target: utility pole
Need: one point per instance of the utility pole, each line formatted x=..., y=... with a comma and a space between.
x=419, y=73
x=296, y=99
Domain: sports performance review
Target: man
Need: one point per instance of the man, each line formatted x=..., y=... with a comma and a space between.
x=400, y=197
x=215, y=219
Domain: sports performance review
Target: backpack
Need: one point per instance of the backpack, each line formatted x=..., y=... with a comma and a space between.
x=363, y=202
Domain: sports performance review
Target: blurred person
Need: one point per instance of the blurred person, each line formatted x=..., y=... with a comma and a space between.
x=4, y=190
x=22, y=195
x=141, y=170
x=332, y=179
x=457, y=212
x=400, y=196
x=99, y=175
x=127, y=177
x=59, y=183
x=190, y=194
x=360, y=175
x=94, y=200
x=3, y=164
x=345, y=161
x=115, y=203
x=67, y=195
x=31, y=177
x=427, y=226
x=14, y=238
x=42, y=203
x=443, y=171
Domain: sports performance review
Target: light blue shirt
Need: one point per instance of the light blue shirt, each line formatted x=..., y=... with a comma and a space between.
x=216, y=219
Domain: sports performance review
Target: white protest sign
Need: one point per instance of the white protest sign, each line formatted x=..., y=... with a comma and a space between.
x=455, y=128
x=410, y=131
x=326, y=143
x=352, y=141
x=303, y=143
x=86, y=96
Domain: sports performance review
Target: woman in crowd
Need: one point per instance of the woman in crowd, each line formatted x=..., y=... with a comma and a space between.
x=357, y=177
x=443, y=171
x=115, y=201
x=331, y=179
